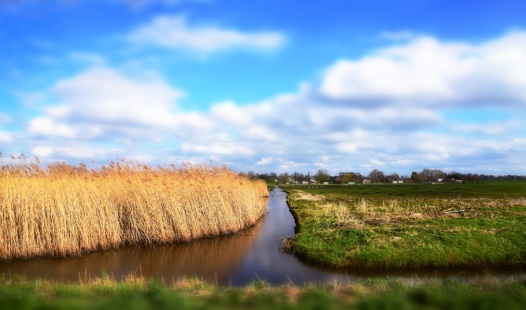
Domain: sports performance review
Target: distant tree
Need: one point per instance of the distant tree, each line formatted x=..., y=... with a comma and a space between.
x=415, y=177
x=299, y=176
x=471, y=178
x=376, y=176
x=393, y=177
x=357, y=177
x=430, y=175
x=455, y=175
x=269, y=177
x=252, y=175
x=347, y=177
x=322, y=176
x=282, y=178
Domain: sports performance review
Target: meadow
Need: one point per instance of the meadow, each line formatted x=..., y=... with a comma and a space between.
x=61, y=209
x=191, y=293
x=410, y=225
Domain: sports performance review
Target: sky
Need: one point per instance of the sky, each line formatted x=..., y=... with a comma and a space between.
x=267, y=85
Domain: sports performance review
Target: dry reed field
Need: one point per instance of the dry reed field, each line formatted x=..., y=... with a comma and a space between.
x=61, y=209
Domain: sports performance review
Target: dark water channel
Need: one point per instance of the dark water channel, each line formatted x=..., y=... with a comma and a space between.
x=253, y=254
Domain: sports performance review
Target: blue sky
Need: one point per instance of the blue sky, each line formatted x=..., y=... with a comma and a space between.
x=267, y=85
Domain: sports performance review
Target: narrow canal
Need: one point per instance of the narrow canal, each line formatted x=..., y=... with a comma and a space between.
x=251, y=255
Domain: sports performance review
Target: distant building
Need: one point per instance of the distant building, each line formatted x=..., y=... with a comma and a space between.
x=366, y=181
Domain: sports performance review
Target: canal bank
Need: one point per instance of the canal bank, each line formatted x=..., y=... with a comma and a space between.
x=252, y=255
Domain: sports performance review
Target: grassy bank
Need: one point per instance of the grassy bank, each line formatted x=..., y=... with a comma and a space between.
x=67, y=210
x=137, y=293
x=410, y=225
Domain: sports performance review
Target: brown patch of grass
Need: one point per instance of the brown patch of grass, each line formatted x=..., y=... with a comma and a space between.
x=356, y=213
x=301, y=195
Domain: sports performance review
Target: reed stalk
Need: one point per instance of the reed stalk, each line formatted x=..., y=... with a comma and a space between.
x=61, y=209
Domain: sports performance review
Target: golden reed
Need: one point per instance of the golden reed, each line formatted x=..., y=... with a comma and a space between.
x=69, y=210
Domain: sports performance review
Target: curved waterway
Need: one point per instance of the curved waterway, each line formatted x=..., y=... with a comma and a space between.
x=251, y=255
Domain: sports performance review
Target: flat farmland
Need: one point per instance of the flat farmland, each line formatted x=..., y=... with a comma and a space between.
x=410, y=225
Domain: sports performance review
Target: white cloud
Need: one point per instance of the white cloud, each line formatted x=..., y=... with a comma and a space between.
x=106, y=107
x=47, y=127
x=229, y=113
x=42, y=151
x=264, y=161
x=423, y=69
x=346, y=147
x=393, y=119
x=493, y=128
x=426, y=71
x=79, y=151
x=5, y=137
x=104, y=95
x=217, y=149
x=174, y=32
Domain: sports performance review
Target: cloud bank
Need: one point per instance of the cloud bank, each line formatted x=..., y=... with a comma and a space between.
x=174, y=32
x=385, y=110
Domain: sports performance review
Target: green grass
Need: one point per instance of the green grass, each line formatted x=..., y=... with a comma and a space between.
x=405, y=226
x=482, y=189
x=196, y=294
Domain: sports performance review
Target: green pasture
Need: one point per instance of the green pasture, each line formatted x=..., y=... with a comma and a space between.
x=481, y=189
x=410, y=225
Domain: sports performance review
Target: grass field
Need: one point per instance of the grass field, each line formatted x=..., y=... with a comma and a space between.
x=68, y=210
x=138, y=293
x=411, y=225
x=482, y=189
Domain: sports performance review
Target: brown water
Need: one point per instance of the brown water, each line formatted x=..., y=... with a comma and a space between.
x=253, y=254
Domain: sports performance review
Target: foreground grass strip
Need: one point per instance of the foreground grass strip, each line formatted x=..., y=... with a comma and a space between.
x=137, y=293
x=68, y=210
x=342, y=230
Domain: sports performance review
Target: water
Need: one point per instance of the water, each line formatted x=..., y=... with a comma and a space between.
x=251, y=255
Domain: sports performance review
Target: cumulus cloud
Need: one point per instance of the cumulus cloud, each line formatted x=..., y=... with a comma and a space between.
x=42, y=151
x=217, y=149
x=385, y=110
x=493, y=128
x=264, y=161
x=105, y=106
x=104, y=95
x=429, y=72
x=5, y=137
x=47, y=127
x=174, y=32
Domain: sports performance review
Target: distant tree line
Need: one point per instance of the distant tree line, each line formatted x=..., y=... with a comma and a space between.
x=378, y=176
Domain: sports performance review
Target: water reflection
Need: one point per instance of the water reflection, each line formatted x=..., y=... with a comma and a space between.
x=211, y=259
x=250, y=255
